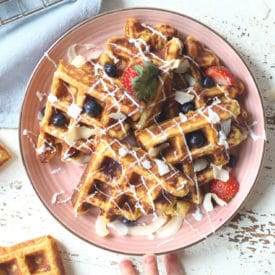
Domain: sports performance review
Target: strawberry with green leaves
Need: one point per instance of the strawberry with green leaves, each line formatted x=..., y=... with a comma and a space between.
x=140, y=79
x=225, y=190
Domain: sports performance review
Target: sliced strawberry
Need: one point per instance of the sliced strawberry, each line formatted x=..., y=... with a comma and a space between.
x=221, y=75
x=140, y=79
x=225, y=190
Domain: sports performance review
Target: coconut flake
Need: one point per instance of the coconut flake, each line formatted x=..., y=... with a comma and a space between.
x=197, y=214
x=163, y=168
x=118, y=116
x=226, y=126
x=123, y=151
x=170, y=228
x=147, y=230
x=40, y=95
x=183, y=97
x=219, y=173
x=180, y=66
x=74, y=111
x=190, y=79
x=146, y=164
x=213, y=116
x=101, y=227
x=78, y=61
x=82, y=132
x=183, y=118
x=52, y=98
x=207, y=202
x=119, y=227
x=200, y=164
x=153, y=152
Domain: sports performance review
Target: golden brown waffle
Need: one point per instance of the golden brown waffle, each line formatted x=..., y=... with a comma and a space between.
x=124, y=181
x=173, y=132
x=71, y=88
x=4, y=154
x=37, y=256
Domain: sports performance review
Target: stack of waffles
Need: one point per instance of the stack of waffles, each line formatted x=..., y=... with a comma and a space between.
x=140, y=158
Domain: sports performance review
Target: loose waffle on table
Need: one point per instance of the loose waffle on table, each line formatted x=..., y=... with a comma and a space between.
x=4, y=154
x=164, y=172
x=37, y=256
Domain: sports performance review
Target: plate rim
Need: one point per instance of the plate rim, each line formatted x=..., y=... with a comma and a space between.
x=36, y=68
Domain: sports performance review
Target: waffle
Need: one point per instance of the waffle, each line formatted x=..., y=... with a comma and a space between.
x=37, y=256
x=4, y=154
x=71, y=87
x=123, y=181
x=173, y=132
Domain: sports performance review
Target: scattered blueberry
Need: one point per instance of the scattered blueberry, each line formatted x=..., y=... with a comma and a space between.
x=207, y=82
x=195, y=139
x=59, y=119
x=110, y=70
x=92, y=108
x=127, y=222
x=186, y=107
x=232, y=161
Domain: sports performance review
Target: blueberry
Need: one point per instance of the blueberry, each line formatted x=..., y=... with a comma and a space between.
x=207, y=82
x=92, y=108
x=59, y=119
x=127, y=222
x=195, y=139
x=232, y=161
x=110, y=70
x=186, y=107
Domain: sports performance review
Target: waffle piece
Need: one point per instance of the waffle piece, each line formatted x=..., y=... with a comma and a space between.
x=71, y=88
x=37, y=256
x=4, y=154
x=201, y=54
x=158, y=45
x=124, y=181
x=174, y=134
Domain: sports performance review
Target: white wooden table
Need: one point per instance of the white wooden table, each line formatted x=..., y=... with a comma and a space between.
x=244, y=246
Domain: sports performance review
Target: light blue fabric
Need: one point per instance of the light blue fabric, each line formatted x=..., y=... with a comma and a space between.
x=24, y=42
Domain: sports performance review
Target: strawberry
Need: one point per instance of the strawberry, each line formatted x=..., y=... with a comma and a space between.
x=225, y=190
x=221, y=75
x=141, y=79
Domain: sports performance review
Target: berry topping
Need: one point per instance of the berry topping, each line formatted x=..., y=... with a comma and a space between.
x=127, y=222
x=59, y=119
x=221, y=75
x=188, y=106
x=225, y=190
x=195, y=139
x=92, y=108
x=232, y=161
x=207, y=82
x=110, y=70
x=141, y=79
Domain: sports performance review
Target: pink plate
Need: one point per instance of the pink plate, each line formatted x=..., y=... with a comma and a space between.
x=48, y=179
